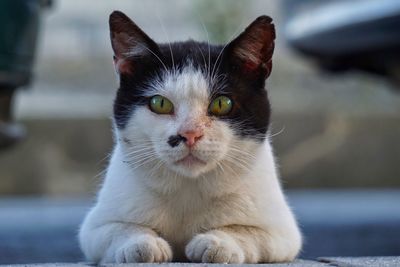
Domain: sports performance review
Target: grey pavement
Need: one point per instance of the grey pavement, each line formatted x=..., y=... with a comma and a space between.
x=297, y=263
x=362, y=261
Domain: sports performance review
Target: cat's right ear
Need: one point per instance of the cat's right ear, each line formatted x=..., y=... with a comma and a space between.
x=129, y=42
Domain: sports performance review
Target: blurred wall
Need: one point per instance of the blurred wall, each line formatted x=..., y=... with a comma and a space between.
x=328, y=131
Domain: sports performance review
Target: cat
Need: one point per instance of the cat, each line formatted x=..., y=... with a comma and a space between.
x=192, y=176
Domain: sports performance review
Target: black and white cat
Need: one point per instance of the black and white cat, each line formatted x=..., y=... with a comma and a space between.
x=192, y=175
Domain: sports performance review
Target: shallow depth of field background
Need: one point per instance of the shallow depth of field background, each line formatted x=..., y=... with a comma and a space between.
x=329, y=131
x=336, y=137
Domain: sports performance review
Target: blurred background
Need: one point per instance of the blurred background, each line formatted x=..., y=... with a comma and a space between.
x=335, y=125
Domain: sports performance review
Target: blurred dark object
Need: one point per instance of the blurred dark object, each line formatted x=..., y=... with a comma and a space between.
x=10, y=132
x=19, y=26
x=344, y=35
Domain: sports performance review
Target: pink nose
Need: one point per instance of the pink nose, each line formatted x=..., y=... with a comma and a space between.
x=191, y=137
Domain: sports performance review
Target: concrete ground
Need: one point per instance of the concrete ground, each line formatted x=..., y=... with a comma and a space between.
x=320, y=262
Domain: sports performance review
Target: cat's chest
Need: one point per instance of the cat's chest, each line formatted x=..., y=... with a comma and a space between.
x=181, y=211
x=178, y=217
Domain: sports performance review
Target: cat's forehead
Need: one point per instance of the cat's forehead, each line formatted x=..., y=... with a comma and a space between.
x=192, y=70
x=199, y=56
x=186, y=83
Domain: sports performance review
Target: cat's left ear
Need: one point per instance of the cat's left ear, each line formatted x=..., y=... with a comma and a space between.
x=252, y=50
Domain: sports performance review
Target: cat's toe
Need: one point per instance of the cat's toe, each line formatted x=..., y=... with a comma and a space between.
x=209, y=248
x=166, y=251
x=145, y=248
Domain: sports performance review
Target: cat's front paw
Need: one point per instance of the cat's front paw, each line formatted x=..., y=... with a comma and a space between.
x=145, y=248
x=213, y=249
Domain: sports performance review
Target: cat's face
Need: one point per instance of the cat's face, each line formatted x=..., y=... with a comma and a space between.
x=191, y=107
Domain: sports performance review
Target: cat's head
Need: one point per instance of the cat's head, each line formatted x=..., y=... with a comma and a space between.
x=188, y=106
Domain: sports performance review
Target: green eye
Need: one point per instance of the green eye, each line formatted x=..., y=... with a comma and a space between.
x=220, y=106
x=161, y=105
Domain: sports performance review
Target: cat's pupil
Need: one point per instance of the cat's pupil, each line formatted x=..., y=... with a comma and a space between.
x=162, y=103
x=220, y=104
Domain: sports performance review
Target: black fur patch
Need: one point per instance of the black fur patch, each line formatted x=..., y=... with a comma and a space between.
x=175, y=140
x=251, y=112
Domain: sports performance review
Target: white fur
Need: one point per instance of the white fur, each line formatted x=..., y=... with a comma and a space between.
x=231, y=209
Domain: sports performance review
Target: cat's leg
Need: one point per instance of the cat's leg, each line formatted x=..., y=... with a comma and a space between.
x=243, y=244
x=123, y=243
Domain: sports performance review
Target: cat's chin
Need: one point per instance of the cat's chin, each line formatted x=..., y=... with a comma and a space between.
x=191, y=166
x=190, y=161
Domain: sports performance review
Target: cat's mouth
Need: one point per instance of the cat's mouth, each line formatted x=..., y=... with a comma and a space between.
x=190, y=160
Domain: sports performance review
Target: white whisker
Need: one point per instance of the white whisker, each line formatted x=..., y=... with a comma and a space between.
x=169, y=44
x=277, y=133
x=217, y=63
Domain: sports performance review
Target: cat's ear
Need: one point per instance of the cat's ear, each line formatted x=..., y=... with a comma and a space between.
x=129, y=42
x=252, y=50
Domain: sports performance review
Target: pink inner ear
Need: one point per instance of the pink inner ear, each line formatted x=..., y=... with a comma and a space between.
x=122, y=66
x=250, y=66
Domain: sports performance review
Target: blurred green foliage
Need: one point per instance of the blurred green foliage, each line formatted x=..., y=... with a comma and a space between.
x=222, y=18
